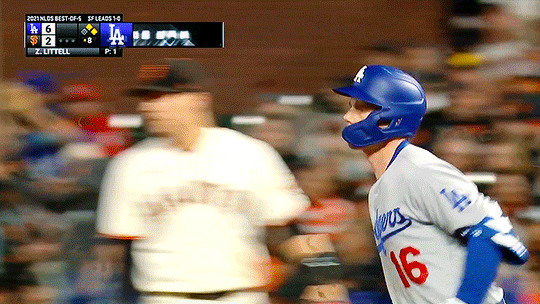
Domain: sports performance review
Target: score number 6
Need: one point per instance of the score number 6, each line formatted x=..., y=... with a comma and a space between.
x=405, y=268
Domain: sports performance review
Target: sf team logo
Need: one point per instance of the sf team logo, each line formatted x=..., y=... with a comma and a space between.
x=34, y=40
x=360, y=75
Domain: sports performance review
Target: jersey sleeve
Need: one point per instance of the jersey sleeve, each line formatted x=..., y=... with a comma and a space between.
x=449, y=200
x=279, y=198
x=118, y=214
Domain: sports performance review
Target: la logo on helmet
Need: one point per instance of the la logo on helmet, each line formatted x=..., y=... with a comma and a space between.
x=360, y=75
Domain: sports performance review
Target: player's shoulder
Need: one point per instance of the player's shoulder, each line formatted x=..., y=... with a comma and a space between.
x=237, y=141
x=425, y=164
x=225, y=133
x=420, y=157
x=139, y=148
x=131, y=156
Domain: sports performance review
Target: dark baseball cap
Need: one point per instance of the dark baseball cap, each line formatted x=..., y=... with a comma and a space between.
x=169, y=76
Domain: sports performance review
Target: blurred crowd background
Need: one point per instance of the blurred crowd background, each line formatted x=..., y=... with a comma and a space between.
x=62, y=119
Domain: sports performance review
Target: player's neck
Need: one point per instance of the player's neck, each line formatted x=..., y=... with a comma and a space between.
x=380, y=155
x=188, y=138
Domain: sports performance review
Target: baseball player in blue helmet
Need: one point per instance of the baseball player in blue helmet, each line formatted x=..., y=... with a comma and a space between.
x=439, y=239
x=399, y=97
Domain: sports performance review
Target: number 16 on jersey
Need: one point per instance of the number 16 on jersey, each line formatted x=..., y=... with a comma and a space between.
x=413, y=271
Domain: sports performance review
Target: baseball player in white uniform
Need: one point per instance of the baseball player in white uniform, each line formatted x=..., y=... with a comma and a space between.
x=439, y=239
x=195, y=198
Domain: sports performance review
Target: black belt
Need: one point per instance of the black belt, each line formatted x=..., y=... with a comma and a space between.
x=196, y=296
x=188, y=295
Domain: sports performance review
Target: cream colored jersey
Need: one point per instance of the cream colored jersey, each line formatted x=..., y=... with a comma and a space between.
x=416, y=206
x=198, y=217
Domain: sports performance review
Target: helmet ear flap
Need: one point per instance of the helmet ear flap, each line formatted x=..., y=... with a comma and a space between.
x=384, y=123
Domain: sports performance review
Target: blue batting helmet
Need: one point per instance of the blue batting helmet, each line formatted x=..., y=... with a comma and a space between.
x=401, y=99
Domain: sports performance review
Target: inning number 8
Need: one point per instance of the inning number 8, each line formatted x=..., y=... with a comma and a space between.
x=408, y=267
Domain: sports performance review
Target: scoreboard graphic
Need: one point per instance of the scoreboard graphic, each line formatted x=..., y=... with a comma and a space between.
x=106, y=35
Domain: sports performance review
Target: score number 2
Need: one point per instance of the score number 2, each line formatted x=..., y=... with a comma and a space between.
x=406, y=269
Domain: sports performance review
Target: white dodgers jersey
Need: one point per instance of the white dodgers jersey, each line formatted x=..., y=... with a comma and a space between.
x=198, y=217
x=416, y=206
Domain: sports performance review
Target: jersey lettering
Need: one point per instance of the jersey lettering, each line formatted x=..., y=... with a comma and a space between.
x=167, y=199
x=389, y=224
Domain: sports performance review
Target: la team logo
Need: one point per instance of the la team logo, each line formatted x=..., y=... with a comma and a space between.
x=116, y=34
x=360, y=75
